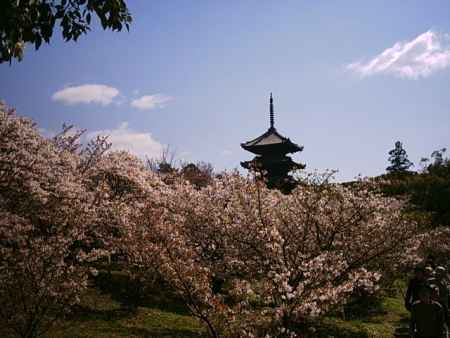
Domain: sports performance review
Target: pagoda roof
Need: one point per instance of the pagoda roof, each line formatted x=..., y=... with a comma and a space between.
x=271, y=142
x=267, y=163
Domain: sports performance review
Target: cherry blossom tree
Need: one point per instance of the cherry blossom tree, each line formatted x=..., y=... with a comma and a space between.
x=253, y=262
x=61, y=204
x=43, y=209
x=38, y=276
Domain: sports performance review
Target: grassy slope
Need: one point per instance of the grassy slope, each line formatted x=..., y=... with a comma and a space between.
x=102, y=314
x=380, y=325
x=102, y=317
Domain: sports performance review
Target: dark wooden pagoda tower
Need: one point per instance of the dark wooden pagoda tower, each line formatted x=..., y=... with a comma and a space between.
x=271, y=149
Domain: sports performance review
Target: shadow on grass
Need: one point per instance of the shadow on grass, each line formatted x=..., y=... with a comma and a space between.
x=132, y=294
x=116, y=329
x=86, y=313
x=86, y=321
x=365, y=308
x=146, y=333
x=330, y=328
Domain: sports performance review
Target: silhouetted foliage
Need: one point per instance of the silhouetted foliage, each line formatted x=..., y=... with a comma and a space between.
x=431, y=190
x=199, y=175
x=398, y=159
x=165, y=163
x=438, y=157
x=428, y=191
x=33, y=21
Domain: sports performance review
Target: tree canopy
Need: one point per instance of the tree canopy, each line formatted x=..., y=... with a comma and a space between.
x=398, y=159
x=428, y=191
x=33, y=21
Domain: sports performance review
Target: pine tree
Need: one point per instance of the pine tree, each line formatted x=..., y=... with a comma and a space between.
x=398, y=159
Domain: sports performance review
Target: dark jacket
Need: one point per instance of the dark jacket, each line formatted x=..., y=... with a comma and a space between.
x=427, y=319
x=412, y=293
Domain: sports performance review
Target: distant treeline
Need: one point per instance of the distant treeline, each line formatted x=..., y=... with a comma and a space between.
x=428, y=190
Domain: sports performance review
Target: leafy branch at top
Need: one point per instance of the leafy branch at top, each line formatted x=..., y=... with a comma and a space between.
x=33, y=21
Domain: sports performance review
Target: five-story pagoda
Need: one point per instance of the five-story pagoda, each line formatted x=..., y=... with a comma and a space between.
x=271, y=161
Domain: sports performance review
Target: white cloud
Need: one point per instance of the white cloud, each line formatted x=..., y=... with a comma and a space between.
x=426, y=54
x=140, y=144
x=147, y=102
x=227, y=152
x=87, y=93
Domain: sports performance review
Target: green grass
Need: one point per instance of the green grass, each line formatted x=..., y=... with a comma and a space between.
x=104, y=312
x=391, y=315
x=102, y=317
x=99, y=316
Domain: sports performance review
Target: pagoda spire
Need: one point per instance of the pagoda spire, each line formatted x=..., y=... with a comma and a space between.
x=272, y=115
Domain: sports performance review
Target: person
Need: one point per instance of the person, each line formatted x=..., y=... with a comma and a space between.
x=414, y=286
x=436, y=296
x=427, y=316
x=441, y=283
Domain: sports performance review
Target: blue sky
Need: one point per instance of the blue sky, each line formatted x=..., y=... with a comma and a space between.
x=349, y=79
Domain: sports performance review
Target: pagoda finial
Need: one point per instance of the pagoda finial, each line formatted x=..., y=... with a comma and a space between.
x=272, y=116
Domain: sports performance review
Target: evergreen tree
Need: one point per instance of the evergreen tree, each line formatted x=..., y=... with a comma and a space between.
x=398, y=159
